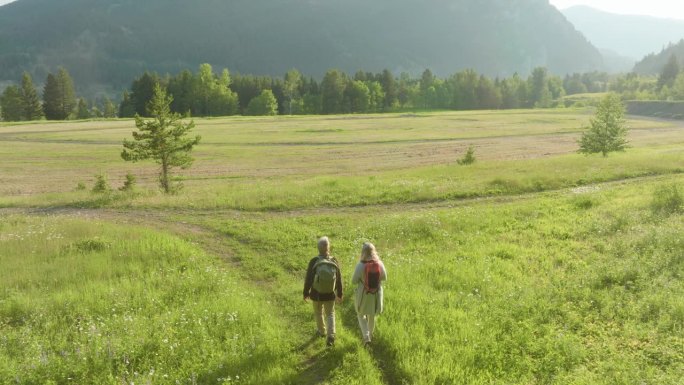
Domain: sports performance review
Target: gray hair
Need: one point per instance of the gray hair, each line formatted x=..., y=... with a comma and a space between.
x=324, y=246
x=368, y=252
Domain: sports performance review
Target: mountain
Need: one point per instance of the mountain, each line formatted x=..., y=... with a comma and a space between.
x=654, y=63
x=630, y=36
x=109, y=42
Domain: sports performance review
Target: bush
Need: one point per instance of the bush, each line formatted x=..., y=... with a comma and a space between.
x=101, y=185
x=129, y=183
x=667, y=200
x=80, y=186
x=468, y=158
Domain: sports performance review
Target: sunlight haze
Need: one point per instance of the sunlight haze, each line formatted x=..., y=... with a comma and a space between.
x=657, y=8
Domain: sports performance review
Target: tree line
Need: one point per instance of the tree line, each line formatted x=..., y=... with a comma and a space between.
x=210, y=93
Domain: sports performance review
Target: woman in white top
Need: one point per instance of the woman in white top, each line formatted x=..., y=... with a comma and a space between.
x=368, y=300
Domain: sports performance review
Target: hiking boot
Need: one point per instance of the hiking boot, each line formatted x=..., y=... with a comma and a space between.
x=330, y=341
x=367, y=344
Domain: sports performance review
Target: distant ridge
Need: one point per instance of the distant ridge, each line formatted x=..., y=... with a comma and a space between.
x=108, y=42
x=653, y=64
x=631, y=36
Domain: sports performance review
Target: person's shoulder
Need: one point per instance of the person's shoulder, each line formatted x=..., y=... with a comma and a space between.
x=313, y=261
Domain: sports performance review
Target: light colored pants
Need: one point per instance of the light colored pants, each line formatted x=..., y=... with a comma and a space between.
x=324, y=312
x=367, y=324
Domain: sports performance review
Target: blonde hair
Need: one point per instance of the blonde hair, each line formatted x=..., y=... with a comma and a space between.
x=368, y=252
x=324, y=246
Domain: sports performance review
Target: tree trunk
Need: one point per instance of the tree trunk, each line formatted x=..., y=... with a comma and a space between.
x=164, y=177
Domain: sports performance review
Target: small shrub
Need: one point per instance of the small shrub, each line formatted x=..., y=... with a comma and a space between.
x=129, y=183
x=468, y=158
x=89, y=246
x=583, y=203
x=101, y=184
x=80, y=186
x=667, y=200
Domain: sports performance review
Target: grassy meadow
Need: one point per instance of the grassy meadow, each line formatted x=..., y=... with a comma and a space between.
x=534, y=265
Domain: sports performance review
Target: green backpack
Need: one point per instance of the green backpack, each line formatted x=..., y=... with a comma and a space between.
x=325, y=276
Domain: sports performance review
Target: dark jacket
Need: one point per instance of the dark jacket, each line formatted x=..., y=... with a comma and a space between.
x=310, y=292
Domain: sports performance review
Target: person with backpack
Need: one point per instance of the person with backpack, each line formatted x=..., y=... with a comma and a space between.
x=323, y=285
x=368, y=301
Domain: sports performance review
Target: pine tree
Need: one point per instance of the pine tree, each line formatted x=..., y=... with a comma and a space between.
x=607, y=132
x=126, y=107
x=33, y=110
x=164, y=138
x=68, y=95
x=11, y=105
x=669, y=73
x=82, y=111
x=51, y=98
x=59, y=98
x=109, y=109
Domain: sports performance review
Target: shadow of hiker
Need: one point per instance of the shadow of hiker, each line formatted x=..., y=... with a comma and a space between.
x=380, y=349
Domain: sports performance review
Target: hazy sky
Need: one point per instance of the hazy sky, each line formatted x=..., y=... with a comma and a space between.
x=659, y=8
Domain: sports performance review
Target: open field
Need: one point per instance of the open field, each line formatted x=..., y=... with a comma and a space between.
x=535, y=265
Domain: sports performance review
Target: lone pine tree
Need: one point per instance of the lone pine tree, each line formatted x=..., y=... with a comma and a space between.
x=164, y=138
x=607, y=131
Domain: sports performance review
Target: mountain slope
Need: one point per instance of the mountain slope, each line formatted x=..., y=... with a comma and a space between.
x=654, y=63
x=627, y=35
x=108, y=42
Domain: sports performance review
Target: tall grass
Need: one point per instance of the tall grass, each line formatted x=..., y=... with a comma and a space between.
x=543, y=290
x=84, y=302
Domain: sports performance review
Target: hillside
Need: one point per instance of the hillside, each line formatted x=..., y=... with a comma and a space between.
x=654, y=63
x=627, y=35
x=110, y=42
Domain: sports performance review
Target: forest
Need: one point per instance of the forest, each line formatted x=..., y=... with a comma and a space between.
x=207, y=92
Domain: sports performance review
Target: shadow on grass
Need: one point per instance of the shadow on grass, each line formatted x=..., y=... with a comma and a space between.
x=380, y=349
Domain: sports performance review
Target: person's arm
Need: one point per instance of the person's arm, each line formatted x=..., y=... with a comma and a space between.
x=383, y=272
x=338, y=281
x=308, y=281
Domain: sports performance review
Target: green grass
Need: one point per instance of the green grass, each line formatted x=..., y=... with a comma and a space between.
x=540, y=290
x=90, y=302
x=533, y=265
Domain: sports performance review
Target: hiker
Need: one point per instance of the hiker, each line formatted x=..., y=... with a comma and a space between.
x=323, y=285
x=368, y=300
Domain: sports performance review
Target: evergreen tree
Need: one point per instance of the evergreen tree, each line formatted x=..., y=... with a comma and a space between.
x=607, y=131
x=164, y=139
x=389, y=86
x=142, y=91
x=126, y=107
x=33, y=110
x=488, y=95
x=109, y=109
x=669, y=73
x=82, y=111
x=427, y=82
x=332, y=92
x=11, y=104
x=540, y=95
x=67, y=93
x=52, y=99
x=59, y=98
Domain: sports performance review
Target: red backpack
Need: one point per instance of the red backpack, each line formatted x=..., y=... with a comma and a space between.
x=371, y=274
